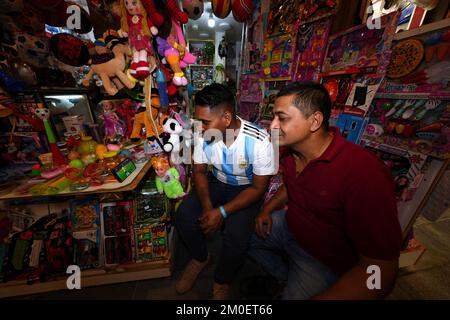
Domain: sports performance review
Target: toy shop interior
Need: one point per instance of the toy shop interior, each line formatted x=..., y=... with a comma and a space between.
x=97, y=102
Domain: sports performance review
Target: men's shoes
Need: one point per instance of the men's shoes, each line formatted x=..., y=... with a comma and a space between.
x=190, y=274
x=221, y=291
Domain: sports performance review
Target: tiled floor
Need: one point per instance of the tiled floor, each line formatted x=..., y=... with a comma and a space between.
x=428, y=279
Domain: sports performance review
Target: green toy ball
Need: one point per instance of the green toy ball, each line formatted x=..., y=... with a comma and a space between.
x=76, y=163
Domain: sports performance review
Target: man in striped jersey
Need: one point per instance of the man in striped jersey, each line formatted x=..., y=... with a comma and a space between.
x=228, y=197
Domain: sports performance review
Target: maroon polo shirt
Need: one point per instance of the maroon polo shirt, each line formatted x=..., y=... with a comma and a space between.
x=343, y=205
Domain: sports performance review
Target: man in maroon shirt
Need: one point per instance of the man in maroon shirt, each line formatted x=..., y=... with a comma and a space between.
x=339, y=237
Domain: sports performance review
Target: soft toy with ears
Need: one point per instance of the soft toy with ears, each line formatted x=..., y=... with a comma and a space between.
x=142, y=119
x=177, y=128
x=112, y=68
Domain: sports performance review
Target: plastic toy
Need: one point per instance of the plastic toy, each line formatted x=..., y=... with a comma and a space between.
x=44, y=114
x=167, y=179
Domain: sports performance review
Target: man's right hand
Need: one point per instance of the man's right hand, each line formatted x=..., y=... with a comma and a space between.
x=264, y=224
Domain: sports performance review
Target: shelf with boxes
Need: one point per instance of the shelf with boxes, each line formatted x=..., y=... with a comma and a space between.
x=201, y=74
x=112, y=237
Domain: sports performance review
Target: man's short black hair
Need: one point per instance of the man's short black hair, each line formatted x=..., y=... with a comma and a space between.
x=309, y=97
x=216, y=96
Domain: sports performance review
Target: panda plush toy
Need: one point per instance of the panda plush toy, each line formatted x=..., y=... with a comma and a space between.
x=175, y=130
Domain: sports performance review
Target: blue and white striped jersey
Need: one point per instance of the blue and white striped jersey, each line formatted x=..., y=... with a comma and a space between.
x=251, y=153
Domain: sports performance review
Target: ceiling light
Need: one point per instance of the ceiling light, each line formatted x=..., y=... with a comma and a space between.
x=211, y=21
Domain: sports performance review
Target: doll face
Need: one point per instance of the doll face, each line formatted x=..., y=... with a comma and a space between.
x=160, y=170
x=133, y=6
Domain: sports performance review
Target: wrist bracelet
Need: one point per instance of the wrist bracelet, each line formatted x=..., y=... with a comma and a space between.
x=223, y=212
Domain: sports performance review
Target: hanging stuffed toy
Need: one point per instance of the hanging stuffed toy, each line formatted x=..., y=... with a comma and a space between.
x=223, y=48
x=176, y=12
x=219, y=74
x=172, y=57
x=168, y=178
x=111, y=68
x=138, y=25
x=142, y=119
x=194, y=8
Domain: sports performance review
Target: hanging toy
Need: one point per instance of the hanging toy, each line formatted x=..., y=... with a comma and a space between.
x=168, y=178
x=138, y=27
x=172, y=57
x=194, y=8
x=44, y=114
x=175, y=11
x=221, y=8
x=162, y=88
x=107, y=69
x=142, y=118
x=223, y=48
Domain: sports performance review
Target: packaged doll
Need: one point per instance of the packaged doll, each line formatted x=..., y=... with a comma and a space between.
x=113, y=125
x=167, y=179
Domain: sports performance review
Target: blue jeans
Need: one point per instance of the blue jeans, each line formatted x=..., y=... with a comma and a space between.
x=281, y=256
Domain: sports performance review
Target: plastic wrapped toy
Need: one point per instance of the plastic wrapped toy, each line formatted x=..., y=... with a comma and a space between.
x=167, y=179
x=113, y=125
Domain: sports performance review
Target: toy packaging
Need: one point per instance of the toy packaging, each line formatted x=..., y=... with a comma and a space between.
x=406, y=167
x=85, y=214
x=150, y=205
x=117, y=232
x=151, y=242
x=420, y=64
x=87, y=248
x=352, y=127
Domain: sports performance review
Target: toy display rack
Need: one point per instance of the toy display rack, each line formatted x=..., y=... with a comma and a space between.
x=129, y=184
x=101, y=275
x=91, y=277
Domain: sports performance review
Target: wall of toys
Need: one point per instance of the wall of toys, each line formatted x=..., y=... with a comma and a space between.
x=94, y=112
x=390, y=89
x=95, y=108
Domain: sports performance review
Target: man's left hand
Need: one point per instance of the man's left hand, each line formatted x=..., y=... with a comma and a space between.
x=211, y=221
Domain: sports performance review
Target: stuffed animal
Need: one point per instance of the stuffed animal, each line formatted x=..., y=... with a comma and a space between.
x=172, y=57
x=142, y=119
x=168, y=178
x=179, y=133
x=112, y=68
x=173, y=127
x=138, y=26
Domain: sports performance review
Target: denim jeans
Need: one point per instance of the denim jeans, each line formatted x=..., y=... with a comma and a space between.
x=236, y=231
x=281, y=256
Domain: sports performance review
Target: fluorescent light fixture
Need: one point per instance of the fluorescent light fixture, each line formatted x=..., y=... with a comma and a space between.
x=211, y=21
